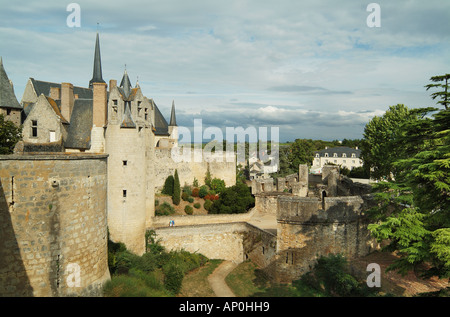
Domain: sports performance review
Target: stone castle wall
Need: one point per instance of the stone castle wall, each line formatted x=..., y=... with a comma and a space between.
x=233, y=241
x=309, y=228
x=53, y=237
x=187, y=171
x=130, y=185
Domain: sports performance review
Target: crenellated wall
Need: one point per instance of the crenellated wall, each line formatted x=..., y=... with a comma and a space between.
x=309, y=228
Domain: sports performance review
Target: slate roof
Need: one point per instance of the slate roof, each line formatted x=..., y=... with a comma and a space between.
x=127, y=121
x=79, y=130
x=161, y=126
x=339, y=150
x=43, y=87
x=7, y=97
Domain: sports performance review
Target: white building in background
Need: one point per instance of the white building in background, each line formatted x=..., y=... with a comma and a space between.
x=341, y=155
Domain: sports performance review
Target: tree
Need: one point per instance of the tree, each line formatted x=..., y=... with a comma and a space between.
x=378, y=149
x=233, y=200
x=176, y=196
x=168, y=186
x=413, y=211
x=208, y=177
x=443, y=95
x=302, y=152
x=10, y=134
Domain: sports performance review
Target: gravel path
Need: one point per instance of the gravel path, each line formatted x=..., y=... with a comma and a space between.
x=217, y=279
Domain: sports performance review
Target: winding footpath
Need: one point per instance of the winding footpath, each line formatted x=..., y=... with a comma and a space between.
x=217, y=279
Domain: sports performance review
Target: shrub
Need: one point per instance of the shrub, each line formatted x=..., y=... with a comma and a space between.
x=195, y=182
x=188, y=209
x=218, y=185
x=164, y=210
x=195, y=192
x=173, y=278
x=185, y=196
x=187, y=189
x=197, y=205
x=211, y=197
x=176, y=189
x=191, y=200
x=207, y=205
x=332, y=270
x=203, y=191
x=168, y=186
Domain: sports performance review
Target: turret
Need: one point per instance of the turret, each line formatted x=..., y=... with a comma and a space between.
x=173, y=128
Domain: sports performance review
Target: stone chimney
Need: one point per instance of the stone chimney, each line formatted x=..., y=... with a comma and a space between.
x=55, y=93
x=99, y=104
x=112, y=84
x=67, y=100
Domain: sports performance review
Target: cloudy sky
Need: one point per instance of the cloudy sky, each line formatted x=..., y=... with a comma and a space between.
x=314, y=69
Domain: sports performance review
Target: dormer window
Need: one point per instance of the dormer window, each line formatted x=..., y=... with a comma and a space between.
x=326, y=154
x=353, y=155
x=335, y=155
x=344, y=155
x=317, y=155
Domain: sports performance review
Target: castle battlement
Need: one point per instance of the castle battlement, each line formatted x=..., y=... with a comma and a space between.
x=311, y=210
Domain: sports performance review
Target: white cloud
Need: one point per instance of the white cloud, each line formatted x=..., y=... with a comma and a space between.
x=291, y=59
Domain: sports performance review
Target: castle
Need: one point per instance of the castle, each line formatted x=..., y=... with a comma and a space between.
x=107, y=141
x=89, y=164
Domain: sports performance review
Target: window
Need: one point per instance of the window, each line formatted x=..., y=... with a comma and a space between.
x=353, y=155
x=8, y=111
x=124, y=163
x=335, y=155
x=326, y=154
x=317, y=154
x=115, y=102
x=34, y=131
x=52, y=136
x=344, y=155
x=124, y=193
x=335, y=161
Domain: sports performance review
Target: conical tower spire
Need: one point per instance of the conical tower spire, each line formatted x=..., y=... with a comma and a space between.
x=173, y=119
x=97, y=72
x=7, y=97
x=126, y=84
